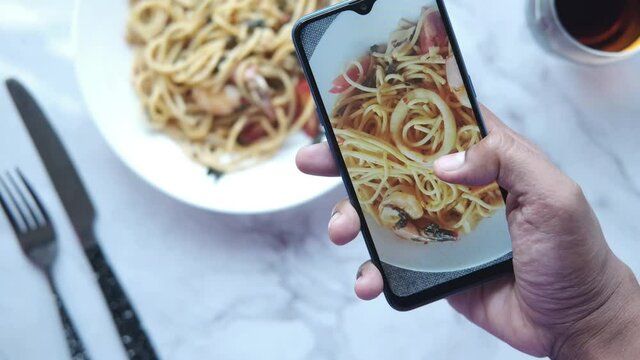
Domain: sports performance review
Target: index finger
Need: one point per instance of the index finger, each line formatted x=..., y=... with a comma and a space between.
x=316, y=160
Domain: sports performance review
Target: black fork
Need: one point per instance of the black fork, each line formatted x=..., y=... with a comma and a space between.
x=37, y=238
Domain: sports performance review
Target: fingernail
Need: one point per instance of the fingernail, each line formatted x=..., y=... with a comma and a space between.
x=451, y=162
x=359, y=273
x=335, y=214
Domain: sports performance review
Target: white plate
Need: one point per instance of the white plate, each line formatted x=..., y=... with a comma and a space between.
x=338, y=47
x=103, y=69
x=489, y=241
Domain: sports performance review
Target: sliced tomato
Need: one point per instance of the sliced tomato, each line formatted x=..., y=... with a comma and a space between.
x=312, y=127
x=303, y=93
x=340, y=84
x=251, y=134
x=433, y=32
x=302, y=90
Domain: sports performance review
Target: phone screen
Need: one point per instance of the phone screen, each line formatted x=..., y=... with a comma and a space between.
x=396, y=100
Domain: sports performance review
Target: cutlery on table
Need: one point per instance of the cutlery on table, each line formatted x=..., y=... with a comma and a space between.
x=37, y=238
x=82, y=215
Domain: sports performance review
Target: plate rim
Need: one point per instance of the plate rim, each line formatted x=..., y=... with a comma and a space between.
x=75, y=39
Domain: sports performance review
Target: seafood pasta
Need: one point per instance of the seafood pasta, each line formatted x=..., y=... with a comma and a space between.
x=221, y=76
x=401, y=106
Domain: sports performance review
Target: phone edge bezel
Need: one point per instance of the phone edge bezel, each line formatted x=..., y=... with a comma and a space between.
x=400, y=303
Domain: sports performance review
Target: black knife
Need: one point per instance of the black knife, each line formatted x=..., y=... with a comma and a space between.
x=80, y=211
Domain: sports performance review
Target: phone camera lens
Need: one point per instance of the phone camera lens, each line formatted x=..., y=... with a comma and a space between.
x=364, y=7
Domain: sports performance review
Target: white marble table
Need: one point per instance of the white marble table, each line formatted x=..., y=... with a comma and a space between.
x=212, y=286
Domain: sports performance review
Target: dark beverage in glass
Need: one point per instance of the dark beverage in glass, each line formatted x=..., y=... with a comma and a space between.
x=606, y=25
x=587, y=31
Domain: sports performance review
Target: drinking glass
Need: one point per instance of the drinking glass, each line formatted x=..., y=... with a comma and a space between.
x=548, y=30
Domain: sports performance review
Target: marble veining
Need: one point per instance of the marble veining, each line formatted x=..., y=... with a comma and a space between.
x=215, y=286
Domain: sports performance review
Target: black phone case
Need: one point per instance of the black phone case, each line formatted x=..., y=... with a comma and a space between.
x=404, y=303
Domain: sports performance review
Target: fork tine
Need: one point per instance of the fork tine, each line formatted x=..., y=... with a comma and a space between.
x=23, y=198
x=5, y=206
x=35, y=198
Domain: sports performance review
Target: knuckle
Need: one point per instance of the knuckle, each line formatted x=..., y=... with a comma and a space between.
x=498, y=140
x=569, y=201
x=505, y=141
x=574, y=189
x=574, y=196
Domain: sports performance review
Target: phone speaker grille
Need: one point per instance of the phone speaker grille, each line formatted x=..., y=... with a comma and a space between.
x=312, y=34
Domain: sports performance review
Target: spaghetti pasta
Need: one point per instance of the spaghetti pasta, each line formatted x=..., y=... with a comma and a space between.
x=400, y=107
x=221, y=76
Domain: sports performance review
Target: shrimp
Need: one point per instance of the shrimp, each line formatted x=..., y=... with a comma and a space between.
x=402, y=199
x=221, y=103
x=455, y=82
x=398, y=210
x=433, y=33
x=259, y=91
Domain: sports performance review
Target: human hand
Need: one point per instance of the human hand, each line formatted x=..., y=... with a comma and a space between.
x=569, y=297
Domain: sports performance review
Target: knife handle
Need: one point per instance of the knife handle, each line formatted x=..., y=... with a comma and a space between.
x=132, y=335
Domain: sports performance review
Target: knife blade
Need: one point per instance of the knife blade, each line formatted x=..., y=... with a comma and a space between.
x=80, y=210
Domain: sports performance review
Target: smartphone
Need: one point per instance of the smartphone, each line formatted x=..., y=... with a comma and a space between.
x=393, y=95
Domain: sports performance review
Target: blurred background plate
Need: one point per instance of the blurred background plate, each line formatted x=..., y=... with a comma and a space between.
x=103, y=69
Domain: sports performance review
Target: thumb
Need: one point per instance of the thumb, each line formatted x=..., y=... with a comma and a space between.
x=502, y=156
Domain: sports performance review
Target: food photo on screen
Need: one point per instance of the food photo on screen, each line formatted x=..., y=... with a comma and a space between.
x=397, y=101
